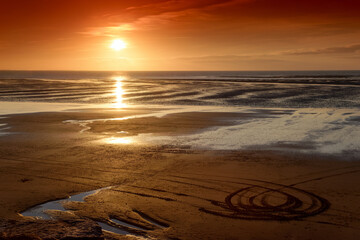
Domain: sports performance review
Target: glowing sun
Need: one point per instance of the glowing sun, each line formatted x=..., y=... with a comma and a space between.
x=118, y=44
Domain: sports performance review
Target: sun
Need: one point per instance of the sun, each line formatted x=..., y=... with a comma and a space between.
x=118, y=44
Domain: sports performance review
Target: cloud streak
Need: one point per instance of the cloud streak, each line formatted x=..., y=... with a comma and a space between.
x=351, y=49
x=155, y=15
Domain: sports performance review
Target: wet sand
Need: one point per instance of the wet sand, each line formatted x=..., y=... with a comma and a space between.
x=167, y=191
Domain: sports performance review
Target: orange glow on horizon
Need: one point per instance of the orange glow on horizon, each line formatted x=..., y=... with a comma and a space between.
x=163, y=35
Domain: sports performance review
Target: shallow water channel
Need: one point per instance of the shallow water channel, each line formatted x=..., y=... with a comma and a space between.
x=40, y=212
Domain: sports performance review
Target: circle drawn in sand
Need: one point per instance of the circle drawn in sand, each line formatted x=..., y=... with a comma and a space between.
x=281, y=203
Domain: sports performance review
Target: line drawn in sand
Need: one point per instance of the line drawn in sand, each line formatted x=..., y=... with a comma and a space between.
x=278, y=202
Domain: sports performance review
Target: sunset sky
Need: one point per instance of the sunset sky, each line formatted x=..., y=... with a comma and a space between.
x=180, y=34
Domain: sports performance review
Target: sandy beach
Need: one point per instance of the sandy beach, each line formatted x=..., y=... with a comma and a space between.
x=166, y=191
x=179, y=120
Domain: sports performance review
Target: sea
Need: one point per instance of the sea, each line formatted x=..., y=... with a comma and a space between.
x=294, y=89
x=308, y=111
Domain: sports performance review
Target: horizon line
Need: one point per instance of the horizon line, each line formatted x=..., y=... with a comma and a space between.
x=65, y=70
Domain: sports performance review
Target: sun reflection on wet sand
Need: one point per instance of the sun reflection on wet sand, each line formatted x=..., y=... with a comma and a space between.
x=119, y=92
x=119, y=140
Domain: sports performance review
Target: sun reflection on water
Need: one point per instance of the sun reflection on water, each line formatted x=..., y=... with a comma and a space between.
x=119, y=92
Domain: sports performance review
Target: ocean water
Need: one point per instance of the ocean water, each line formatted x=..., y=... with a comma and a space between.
x=316, y=112
x=300, y=89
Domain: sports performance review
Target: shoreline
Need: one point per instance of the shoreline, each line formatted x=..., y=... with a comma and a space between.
x=307, y=130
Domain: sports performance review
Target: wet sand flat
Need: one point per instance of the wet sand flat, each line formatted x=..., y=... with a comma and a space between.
x=167, y=191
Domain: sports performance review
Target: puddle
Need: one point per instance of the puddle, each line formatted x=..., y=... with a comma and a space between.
x=81, y=196
x=109, y=228
x=39, y=211
x=127, y=224
x=152, y=220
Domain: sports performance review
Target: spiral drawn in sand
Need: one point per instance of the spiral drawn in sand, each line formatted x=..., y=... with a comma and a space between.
x=281, y=203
